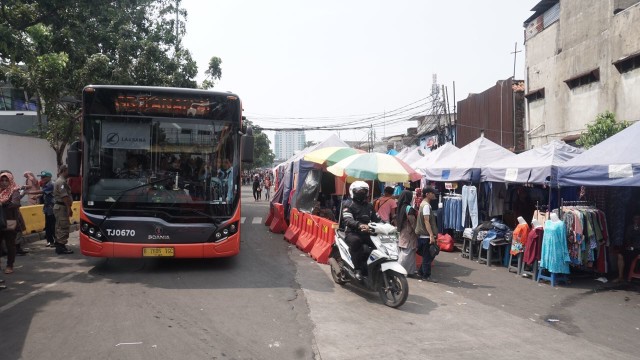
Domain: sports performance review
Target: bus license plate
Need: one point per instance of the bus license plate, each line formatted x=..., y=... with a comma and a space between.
x=156, y=252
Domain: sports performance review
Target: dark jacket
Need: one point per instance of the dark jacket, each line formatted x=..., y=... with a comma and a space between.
x=354, y=214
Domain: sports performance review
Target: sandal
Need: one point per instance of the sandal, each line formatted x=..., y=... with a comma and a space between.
x=8, y=270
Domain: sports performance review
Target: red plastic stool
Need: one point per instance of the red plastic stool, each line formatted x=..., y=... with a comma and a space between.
x=633, y=273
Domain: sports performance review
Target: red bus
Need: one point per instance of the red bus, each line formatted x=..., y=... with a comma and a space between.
x=160, y=171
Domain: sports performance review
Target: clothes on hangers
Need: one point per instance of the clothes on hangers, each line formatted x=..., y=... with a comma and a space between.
x=452, y=212
x=587, y=236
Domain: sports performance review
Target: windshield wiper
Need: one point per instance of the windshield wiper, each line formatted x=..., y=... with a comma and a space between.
x=108, y=212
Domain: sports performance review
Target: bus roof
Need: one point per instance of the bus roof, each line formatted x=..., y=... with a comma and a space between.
x=162, y=89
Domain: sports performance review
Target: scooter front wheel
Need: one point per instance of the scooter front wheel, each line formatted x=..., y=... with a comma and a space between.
x=395, y=292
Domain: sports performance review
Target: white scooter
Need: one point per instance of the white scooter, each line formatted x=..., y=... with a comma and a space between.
x=385, y=274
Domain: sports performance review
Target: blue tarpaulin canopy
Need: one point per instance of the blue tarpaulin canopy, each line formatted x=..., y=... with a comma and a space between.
x=613, y=162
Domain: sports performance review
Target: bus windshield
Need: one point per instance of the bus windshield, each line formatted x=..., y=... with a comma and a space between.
x=183, y=169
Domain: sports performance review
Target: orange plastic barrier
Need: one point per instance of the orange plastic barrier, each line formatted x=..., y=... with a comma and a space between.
x=295, y=226
x=270, y=216
x=309, y=233
x=278, y=224
x=326, y=237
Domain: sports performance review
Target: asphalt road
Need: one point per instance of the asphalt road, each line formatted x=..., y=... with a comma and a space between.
x=274, y=302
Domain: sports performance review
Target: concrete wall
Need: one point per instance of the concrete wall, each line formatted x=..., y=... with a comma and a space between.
x=23, y=153
x=588, y=36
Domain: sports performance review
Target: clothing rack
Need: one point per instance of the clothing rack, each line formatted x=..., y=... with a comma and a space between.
x=577, y=203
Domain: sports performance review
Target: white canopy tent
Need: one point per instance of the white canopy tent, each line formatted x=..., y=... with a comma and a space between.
x=535, y=166
x=434, y=156
x=461, y=165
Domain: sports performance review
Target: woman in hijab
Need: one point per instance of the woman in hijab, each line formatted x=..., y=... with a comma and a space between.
x=31, y=186
x=408, y=240
x=10, y=201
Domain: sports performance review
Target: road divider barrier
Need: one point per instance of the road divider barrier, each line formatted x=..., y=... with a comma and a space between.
x=295, y=226
x=34, y=220
x=324, y=242
x=278, y=224
x=309, y=233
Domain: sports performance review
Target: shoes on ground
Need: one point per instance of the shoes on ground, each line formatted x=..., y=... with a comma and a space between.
x=63, y=250
x=8, y=270
x=429, y=279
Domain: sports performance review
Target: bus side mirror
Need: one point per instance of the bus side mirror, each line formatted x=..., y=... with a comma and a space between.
x=74, y=158
x=246, y=146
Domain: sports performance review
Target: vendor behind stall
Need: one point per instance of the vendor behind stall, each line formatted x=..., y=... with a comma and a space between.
x=631, y=248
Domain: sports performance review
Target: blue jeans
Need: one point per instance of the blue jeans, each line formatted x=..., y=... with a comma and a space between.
x=470, y=200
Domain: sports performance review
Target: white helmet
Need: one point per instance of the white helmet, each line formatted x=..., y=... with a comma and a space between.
x=359, y=187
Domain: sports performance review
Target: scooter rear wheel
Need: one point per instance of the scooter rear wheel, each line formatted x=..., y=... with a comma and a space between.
x=338, y=278
x=396, y=291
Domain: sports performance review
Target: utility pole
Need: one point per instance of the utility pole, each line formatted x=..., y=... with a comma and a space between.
x=177, y=20
x=515, y=55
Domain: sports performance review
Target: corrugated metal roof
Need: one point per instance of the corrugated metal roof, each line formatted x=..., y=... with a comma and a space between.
x=540, y=8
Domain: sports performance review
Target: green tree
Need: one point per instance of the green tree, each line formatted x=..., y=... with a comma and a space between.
x=53, y=48
x=263, y=156
x=213, y=73
x=603, y=127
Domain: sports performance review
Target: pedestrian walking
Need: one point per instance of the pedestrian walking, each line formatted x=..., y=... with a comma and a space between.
x=427, y=232
x=13, y=222
x=406, y=217
x=256, y=187
x=267, y=188
x=62, y=210
x=31, y=187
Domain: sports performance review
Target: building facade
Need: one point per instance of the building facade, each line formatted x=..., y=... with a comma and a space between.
x=582, y=59
x=287, y=143
x=497, y=112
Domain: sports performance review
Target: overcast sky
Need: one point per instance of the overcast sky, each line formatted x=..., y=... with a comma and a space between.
x=301, y=63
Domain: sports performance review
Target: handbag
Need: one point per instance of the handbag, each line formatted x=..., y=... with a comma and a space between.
x=434, y=250
x=11, y=225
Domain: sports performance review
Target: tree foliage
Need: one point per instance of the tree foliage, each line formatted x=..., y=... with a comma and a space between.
x=213, y=73
x=603, y=127
x=263, y=156
x=53, y=48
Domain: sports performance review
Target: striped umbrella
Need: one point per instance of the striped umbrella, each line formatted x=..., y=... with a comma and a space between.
x=374, y=166
x=331, y=155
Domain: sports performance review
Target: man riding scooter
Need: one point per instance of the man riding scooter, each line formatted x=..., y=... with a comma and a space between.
x=356, y=216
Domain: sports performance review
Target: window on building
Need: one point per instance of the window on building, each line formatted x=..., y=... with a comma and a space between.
x=535, y=95
x=628, y=63
x=12, y=99
x=583, y=79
